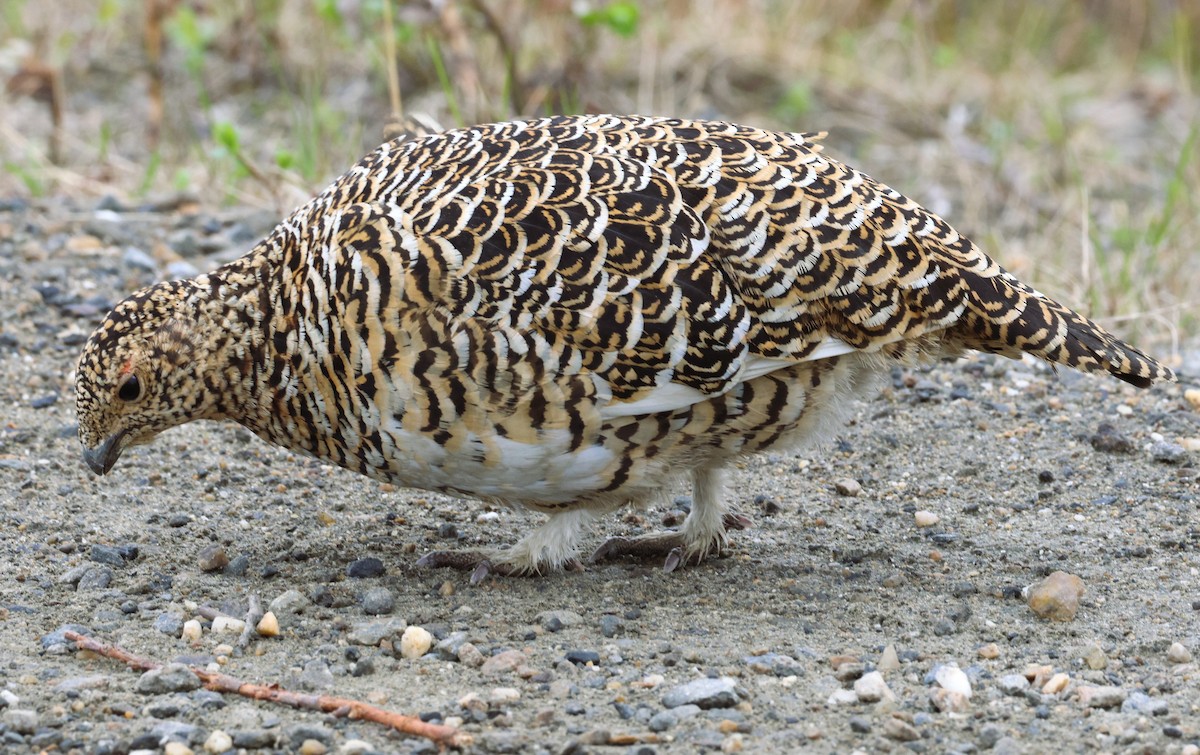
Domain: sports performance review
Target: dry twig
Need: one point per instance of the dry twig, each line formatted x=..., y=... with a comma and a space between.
x=339, y=706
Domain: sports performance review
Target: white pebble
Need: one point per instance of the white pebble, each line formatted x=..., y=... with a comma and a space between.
x=503, y=695
x=871, y=688
x=192, y=630
x=1178, y=653
x=953, y=679
x=842, y=697
x=926, y=518
x=415, y=642
x=218, y=741
x=1056, y=684
x=227, y=624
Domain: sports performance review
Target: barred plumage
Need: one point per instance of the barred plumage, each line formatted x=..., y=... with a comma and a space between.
x=566, y=313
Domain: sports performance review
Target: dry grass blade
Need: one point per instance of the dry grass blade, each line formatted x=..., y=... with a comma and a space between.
x=444, y=736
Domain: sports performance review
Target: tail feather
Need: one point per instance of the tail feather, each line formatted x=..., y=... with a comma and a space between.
x=1006, y=316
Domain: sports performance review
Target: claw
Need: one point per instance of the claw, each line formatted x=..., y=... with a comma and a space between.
x=481, y=571
x=736, y=521
x=674, y=558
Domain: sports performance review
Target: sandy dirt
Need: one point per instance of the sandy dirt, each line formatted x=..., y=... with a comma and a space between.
x=1027, y=472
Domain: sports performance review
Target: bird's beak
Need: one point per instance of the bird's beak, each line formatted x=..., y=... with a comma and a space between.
x=102, y=457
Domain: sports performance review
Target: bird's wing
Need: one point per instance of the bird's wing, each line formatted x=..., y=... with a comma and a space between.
x=672, y=260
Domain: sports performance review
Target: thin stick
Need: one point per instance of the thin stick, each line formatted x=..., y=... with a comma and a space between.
x=339, y=706
x=254, y=614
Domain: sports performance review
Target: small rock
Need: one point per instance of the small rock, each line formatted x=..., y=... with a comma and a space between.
x=859, y=724
x=377, y=601
x=95, y=578
x=365, y=568
x=1192, y=395
x=610, y=625
x=1056, y=684
x=136, y=258
x=954, y=679
x=504, y=695
x=554, y=621
x=1056, y=597
x=106, y=554
x=1178, y=653
x=227, y=625
x=415, y=642
x=191, y=630
x=503, y=662
x=469, y=655
x=948, y=701
x=41, y=402
x=289, y=603
x=841, y=697
x=316, y=675
x=705, y=693
x=212, y=558
x=583, y=657
x=926, y=518
x=871, y=688
x=268, y=625
x=312, y=747
x=169, y=622
x=355, y=747
x=1140, y=702
x=1013, y=684
x=990, y=651
x=1101, y=697
x=1094, y=658
x=899, y=730
x=373, y=632
x=888, y=660
x=1108, y=439
x=21, y=720
x=848, y=487
x=175, y=747
x=218, y=741
x=1168, y=453
x=173, y=677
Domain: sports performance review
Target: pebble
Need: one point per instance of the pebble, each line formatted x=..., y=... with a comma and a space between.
x=212, y=557
x=41, y=402
x=553, y=621
x=953, y=679
x=1178, y=653
x=377, y=601
x=289, y=603
x=899, y=730
x=1140, y=702
x=1013, y=684
x=106, y=554
x=95, y=578
x=218, y=741
x=841, y=697
x=371, y=633
x=888, y=660
x=871, y=688
x=1101, y=697
x=268, y=625
x=947, y=701
x=774, y=663
x=312, y=747
x=926, y=518
x=848, y=487
x=665, y=719
x=191, y=630
x=173, y=677
x=355, y=747
x=447, y=648
x=1193, y=397
x=21, y=720
x=503, y=662
x=859, y=724
x=1056, y=597
x=297, y=734
x=1108, y=439
x=365, y=568
x=583, y=657
x=415, y=642
x=610, y=625
x=1094, y=658
x=504, y=695
x=169, y=622
x=469, y=655
x=990, y=651
x=316, y=675
x=1168, y=453
x=227, y=625
x=1056, y=684
x=175, y=747
x=706, y=693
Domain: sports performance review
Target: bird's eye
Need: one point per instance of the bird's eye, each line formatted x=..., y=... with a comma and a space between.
x=131, y=389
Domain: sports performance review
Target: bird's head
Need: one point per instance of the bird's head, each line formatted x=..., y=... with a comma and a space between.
x=138, y=375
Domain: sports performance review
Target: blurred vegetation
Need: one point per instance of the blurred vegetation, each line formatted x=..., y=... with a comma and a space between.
x=1060, y=135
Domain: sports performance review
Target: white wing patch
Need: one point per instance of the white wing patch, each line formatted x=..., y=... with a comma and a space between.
x=671, y=396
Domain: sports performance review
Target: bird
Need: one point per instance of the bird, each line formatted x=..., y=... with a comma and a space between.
x=570, y=314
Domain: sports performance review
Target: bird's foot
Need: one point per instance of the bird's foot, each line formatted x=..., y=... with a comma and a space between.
x=675, y=547
x=481, y=563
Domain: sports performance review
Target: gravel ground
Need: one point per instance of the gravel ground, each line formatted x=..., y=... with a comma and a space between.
x=903, y=549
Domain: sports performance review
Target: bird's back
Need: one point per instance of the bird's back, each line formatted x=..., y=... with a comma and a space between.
x=545, y=299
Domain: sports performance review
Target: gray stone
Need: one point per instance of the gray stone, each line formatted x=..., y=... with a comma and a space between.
x=774, y=663
x=181, y=269
x=316, y=675
x=289, y=604
x=173, y=677
x=73, y=575
x=1013, y=684
x=377, y=601
x=373, y=632
x=252, y=739
x=295, y=734
x=706, y=693
x=95, y=578
x=447, y=649
x=563, y=618
x=170, y=622
x=107, y=554
x=365, y=568
x=1168, y=453
x=58, y=640
x=1140, y=702
x=21, y=720
x=138, y=259
x=77, y=683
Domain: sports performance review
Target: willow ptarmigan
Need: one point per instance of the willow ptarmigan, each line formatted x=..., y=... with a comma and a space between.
x=566, y=314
